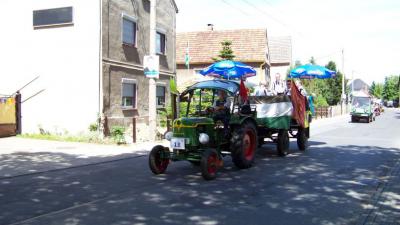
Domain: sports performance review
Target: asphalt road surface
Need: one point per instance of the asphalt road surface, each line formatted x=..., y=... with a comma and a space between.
x=334, y=182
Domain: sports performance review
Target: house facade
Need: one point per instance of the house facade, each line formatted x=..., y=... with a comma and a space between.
x=89, y=59
x=249, y=46
x=281, y=56
x=125, y=41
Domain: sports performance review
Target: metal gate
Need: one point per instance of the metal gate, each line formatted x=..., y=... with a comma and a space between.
x=10, y=115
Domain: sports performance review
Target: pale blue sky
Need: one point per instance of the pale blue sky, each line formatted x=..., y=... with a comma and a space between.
x=367, y=30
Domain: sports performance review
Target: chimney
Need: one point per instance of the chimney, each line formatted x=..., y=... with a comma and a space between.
x=210, y=27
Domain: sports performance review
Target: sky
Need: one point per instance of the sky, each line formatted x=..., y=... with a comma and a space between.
x=368, y=31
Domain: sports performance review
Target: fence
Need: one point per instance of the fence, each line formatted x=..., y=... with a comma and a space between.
x=330, y=111
x=10, y=115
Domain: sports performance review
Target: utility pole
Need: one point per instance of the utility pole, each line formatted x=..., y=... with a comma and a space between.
x=352, y=83
x=343, y=95
x=152, y=82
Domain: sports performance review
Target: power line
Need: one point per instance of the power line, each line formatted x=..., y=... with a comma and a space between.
x=238, y=9
x=263, y=12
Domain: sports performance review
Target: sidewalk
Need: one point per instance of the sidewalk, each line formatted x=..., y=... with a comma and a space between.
x=20, y=156
x=385, y=207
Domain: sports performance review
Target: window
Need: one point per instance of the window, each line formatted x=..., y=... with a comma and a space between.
x=160, y=43
x=128, y=31
x=128, y=93
x=160, y=96
x=52, y=17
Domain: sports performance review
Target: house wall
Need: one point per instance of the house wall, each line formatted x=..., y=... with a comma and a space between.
x=66, y=58
x=122, y=61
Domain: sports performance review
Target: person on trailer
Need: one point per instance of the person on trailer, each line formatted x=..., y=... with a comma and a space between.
x=288, y=87
x=262, y=90
x=278, y=86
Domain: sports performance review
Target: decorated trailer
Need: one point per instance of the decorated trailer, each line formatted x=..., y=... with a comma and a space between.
x=201, y=138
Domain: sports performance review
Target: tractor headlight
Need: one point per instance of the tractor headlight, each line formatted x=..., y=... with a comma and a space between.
x=204, y=138
x=168, y=135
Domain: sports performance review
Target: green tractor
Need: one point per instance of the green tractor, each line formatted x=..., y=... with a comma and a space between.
x=201, y=139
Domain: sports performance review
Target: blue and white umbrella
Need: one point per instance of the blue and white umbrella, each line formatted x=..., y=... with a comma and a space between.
x=229, y=70
x=310, y=71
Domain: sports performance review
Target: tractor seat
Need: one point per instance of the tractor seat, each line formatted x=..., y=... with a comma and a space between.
x=245, y=109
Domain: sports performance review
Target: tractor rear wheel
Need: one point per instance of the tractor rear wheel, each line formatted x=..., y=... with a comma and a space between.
x=209, y=164
x=243, y=145
x=158, y=159
x=302, y=140
x=283, y=143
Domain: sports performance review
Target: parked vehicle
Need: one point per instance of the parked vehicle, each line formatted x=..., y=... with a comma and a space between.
x=362, y=108
x=201, y=140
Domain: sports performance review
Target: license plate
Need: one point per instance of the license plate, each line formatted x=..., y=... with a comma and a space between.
x=178, y=143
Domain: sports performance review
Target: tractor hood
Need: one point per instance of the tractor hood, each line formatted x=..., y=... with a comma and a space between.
x=192, y=122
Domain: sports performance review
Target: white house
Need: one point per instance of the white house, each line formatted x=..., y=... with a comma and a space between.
x=88, y=54
x=64, y=53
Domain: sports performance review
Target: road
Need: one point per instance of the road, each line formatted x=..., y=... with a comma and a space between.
x=338, y=180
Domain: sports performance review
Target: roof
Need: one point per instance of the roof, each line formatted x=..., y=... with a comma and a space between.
x=280, y=48
x=358, y=85
x=226, y=85
x=204, y=45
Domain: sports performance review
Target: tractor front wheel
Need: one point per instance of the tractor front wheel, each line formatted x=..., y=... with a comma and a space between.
x=158, y=159
x=209, y=164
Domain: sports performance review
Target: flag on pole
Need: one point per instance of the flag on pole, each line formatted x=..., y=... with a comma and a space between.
x=243, y=91
x=187, y=57
x=299, y=105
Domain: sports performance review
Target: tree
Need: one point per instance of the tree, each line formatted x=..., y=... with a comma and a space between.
x=226, y=53
x=376, y=89
x=297, y=63
x=390, y=88
x=312, y=60
x=372, y=88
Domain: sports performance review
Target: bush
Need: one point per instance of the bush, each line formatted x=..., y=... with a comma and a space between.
x=93, y=127
x=320, y=101
x=117, y=133
x=162, y=118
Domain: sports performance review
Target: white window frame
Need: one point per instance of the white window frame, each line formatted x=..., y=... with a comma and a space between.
x=132, y=19
x=164, y=32
x=129, y=81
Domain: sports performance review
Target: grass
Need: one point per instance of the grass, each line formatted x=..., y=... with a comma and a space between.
x=87, y=138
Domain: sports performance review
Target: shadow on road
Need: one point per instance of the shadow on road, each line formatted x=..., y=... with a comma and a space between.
x=323, y=185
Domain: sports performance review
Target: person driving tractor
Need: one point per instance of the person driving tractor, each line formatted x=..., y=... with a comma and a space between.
x=222, y=110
